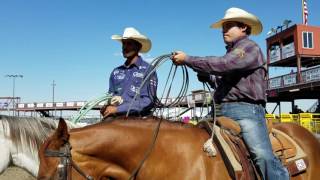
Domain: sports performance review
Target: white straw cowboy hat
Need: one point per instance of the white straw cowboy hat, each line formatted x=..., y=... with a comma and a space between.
x=239, y=15
x=132, y=33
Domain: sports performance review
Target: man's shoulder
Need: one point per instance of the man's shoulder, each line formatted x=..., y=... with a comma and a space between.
x=248, y=43
x=116, y=70
x=143, y=65
x=245, y=46
x=144, y=62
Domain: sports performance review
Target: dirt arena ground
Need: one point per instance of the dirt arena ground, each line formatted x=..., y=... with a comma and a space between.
x=15, y=173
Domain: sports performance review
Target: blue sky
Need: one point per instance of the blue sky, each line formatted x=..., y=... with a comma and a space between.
x=69, y=41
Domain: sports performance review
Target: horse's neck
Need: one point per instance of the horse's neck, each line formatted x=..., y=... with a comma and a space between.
x=124, y=145
x=5, y=152
x=111, y=142
x=15, y=148
x=18, y=156
x=128, y=141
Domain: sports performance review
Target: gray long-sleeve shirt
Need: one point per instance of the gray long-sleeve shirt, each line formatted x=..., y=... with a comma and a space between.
x=241, y=70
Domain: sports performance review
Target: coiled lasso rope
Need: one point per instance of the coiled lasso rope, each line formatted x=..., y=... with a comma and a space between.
x=155, y=64
x=88, y=106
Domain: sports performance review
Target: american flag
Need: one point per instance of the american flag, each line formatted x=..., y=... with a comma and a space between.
x=305, y=12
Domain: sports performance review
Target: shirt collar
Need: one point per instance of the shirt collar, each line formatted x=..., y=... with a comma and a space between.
x=237, y=41
x=137, y=63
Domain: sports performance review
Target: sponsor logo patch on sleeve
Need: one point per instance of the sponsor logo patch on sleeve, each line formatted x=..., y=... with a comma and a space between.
x=239, y=52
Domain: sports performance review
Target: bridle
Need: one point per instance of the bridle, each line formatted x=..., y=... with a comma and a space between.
x=66, y=162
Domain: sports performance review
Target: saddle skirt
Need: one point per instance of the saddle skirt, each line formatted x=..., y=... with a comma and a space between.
x=237, y=157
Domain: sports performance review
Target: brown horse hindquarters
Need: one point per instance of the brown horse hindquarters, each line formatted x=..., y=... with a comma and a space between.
x=309, y=144
x=115, y=150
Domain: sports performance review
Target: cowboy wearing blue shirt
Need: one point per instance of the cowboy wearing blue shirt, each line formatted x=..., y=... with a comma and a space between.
x=126, y=79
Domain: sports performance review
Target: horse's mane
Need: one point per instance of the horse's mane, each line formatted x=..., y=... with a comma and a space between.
x=28, y=133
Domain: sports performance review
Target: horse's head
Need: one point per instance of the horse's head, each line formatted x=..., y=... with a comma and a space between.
x=49, y=152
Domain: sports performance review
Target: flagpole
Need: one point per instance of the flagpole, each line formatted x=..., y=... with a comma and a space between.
x=302, y=10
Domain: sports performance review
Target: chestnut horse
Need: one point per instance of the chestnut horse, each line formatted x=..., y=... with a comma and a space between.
x=114, y=150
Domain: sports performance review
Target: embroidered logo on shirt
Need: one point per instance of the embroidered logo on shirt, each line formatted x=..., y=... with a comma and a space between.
x=115, y=72
x=239, y=52
x=134, y=89
x=153, y=82
x=142, y=67
x=118, y=90
x=120, y=76
x=137, y=74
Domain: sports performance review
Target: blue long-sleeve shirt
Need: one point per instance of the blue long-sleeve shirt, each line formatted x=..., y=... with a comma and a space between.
x=125, y=82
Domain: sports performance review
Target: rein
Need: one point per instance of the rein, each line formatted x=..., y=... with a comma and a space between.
x=146, y=155
x=158, y=104
x=66, y=162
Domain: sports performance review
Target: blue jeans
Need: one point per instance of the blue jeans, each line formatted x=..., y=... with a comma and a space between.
x=251, y=118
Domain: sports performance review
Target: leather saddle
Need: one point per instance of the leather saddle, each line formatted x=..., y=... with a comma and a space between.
x=237, y=157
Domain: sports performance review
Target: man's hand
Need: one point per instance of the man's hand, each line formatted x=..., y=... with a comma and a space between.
x=116, y=100
x=108, y=110
x=203, y=77
x=178, y=57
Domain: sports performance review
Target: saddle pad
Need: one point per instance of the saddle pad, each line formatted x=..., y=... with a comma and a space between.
x=233, y=160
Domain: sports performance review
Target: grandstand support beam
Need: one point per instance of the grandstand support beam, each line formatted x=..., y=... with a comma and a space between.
x=299, y=78
x=275, y=108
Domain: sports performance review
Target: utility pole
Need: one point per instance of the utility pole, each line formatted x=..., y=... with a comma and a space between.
x=13, y=76
x=53, y=85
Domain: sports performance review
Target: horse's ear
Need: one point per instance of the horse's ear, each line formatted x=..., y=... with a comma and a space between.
x=62, y=130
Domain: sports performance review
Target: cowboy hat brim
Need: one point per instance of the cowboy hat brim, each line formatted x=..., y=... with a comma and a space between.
x=144, y=41
x=256, y=26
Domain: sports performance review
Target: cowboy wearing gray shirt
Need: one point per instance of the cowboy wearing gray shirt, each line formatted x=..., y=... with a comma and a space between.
x=241, y=88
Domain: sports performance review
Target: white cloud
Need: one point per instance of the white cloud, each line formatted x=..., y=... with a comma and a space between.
x=147, y=57
x=117, y=54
